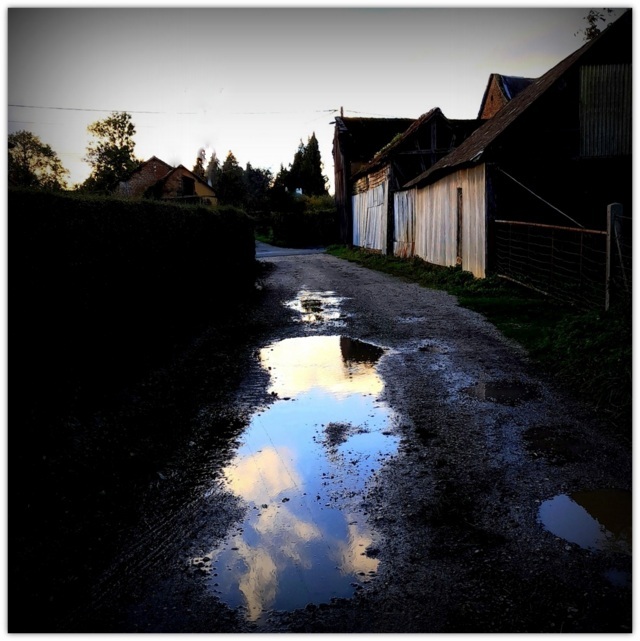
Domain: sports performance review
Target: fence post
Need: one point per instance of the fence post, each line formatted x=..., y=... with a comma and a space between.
x=613, y=210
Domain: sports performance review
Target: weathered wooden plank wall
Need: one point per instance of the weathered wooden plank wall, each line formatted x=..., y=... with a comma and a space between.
x=370, y=218
x=436, y=220
x=404, y=223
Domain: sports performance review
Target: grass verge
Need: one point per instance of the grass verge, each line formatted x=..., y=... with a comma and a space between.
x=590, y=352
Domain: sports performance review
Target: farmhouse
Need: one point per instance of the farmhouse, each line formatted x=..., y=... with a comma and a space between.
x=556, y=154
x=155, y=178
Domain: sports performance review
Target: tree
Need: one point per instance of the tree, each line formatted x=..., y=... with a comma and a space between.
x=294, y=177
x=593, y=18
x=313, y=182
x=111, y=154
x=213, y=170
x=33, y=163
x=231, y=188
x=305, y=172
x=198, y=168
x=257, y=184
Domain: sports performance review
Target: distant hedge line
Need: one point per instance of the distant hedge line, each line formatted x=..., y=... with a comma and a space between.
x=96, y=284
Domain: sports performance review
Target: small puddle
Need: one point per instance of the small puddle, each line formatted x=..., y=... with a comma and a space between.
x=301, y=469
x=317, y=307
x=504, y=392
x=598, y=520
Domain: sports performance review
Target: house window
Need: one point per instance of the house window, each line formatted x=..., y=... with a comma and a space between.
x=188, y=186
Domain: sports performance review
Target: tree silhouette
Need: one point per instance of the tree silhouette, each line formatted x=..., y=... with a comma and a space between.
x=231, y=188
x=111, y=154
x=198, y=168
x=213, y=170
x=33, y=163
x=593, y=19
x=305, y=173
x=314, y=183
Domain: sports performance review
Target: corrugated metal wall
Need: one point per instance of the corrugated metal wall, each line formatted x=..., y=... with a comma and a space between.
x=436, y=220
x=605, y=110
x=370, y=218
x=404, y=223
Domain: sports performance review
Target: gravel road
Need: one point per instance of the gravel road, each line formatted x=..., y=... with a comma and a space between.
x=459, y=514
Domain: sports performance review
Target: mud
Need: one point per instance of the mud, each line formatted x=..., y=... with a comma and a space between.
x=451, y=536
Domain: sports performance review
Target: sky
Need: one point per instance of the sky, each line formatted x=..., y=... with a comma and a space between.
x=257, y=80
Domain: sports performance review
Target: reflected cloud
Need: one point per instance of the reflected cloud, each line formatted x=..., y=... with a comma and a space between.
x=259, y=584
x=352, y=556
x=302, y=364
x=262, y=476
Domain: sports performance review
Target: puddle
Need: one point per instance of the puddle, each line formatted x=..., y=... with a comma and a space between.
x=598, y=520
x=504, y=392
x=317, y=307
x=301, y=469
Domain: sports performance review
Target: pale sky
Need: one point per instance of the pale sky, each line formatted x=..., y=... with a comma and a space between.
x=256, y=80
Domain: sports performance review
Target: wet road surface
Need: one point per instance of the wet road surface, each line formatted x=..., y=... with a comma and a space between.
x=401, y=467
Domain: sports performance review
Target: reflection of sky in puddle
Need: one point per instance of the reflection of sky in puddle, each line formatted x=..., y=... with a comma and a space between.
x=598, y=520
x=317, y=307
x=304, y=538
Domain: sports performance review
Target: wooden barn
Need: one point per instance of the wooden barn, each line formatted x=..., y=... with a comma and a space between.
x=556, y=154
x=155, y=178
x=355, y=142
x=375, y=223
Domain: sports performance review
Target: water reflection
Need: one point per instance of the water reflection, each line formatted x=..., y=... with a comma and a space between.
x=597, y=520
x=304, y=538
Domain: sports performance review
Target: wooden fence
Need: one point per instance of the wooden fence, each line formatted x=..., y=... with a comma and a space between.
x=585, y=267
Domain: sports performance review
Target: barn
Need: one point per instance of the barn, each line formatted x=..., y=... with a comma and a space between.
x=556, y=154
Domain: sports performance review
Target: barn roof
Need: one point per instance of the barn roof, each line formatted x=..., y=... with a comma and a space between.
x=382, y=154
x=470, y=152
x=464, y=127
x=366, y=136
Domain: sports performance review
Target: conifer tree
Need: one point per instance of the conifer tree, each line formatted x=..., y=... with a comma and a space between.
x=231, y=188
x=313, y=182
x=213, y=170
x=198, y=168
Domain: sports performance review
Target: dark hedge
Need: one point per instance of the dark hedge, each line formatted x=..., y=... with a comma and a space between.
x=102, y=285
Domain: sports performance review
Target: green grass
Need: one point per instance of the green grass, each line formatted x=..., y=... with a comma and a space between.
x=589, y=352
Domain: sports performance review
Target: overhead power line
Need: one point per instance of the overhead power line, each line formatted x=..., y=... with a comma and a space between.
x=186, y=113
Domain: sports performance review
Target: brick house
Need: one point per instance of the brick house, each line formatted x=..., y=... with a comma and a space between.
x=155, y=178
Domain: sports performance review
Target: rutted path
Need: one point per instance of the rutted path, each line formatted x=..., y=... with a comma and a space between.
x=454, y=514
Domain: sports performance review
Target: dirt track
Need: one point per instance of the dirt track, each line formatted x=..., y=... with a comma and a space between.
x=484, y=441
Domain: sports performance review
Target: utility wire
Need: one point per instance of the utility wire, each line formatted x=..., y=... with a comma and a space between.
x=189, y=113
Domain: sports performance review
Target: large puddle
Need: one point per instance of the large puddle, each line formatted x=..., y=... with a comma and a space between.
x=301, y=469
x=596, y=520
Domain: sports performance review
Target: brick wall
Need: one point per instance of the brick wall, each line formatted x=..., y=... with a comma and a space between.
x=145, y=177
x=494, y=102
